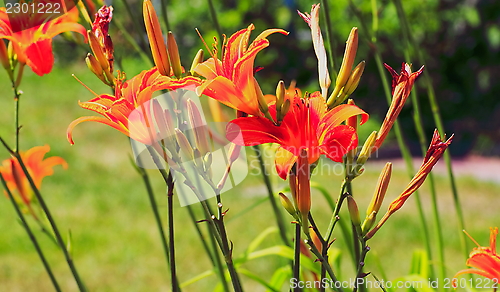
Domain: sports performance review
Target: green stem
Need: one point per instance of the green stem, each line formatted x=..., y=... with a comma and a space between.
x=398, y=132
x=218, y=263
x=320, y=257
x=296, y=262
x=329, y=38
x=439, y=124
x=217, y=226
x=51, y=220
x=164, y=14
x=215, y=19
x=31, y=235
x=324, y=250
x=154, y=206
x=146, y=58
x=277, y=211
x=361, y=264
x=170, y=203
x=138, y=27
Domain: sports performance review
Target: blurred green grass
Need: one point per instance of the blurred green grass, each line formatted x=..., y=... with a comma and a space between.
x=116, y=246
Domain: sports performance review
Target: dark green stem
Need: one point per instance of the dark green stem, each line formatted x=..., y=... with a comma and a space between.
x=361, y=264
x=51, y=220
x=320, y=257
x=170, y=207
x=154, y=206
x=296, y=262
x=31, y=235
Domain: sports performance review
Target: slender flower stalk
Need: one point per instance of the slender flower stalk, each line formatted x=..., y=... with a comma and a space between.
x=48, y=214
x=30, y=234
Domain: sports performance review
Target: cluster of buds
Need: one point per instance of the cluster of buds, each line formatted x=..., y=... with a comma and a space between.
x=184, y=141
x=371, y=212
x=165, y=54
x=282, y=102
x=100, y=62
x=348, y=78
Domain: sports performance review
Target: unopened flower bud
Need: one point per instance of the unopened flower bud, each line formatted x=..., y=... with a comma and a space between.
x=199, y=127
x=95, y=67
x=287, y=204
x=368, y=223
x=354, y=213
x=382, y=184
x=173, y=54
x=4, y=56
x=284, y=110
x=184, y=144
x=155, y=36
x=346, y=67
x=98, y=51
x=352, y=83
x=365, y=152
x=264, y=108
x=280, y=94
x=198, y=59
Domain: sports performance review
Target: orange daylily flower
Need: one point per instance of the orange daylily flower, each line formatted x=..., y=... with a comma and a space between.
x=130, y=95
x=231, y=80
x=485, y=260
x=307, y=125
x=37, y=167
x=31, y=35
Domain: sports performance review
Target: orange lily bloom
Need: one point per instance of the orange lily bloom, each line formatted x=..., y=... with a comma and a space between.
x=37, y=167
x=307, y=125
x=485, y=260
x=231, y=80
x=31, y=35
x=130, y=95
